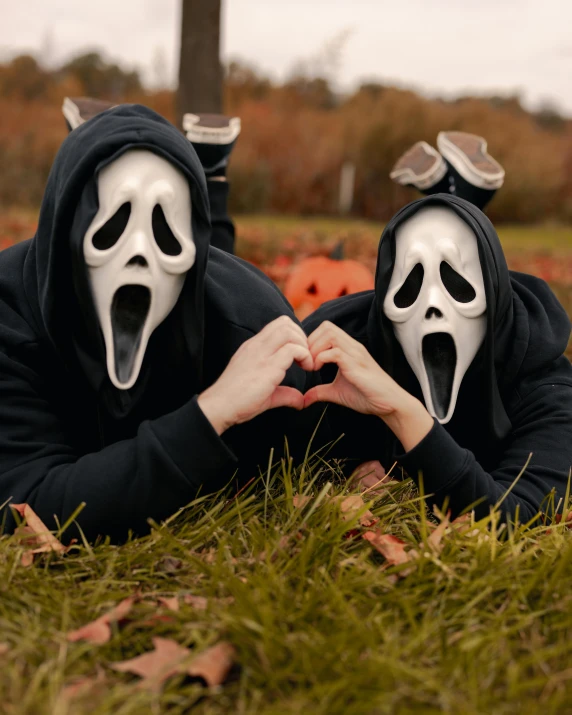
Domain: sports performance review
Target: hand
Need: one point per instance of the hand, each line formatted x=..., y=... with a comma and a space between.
x=363, y=386
x=360, y=384
x=250, y=384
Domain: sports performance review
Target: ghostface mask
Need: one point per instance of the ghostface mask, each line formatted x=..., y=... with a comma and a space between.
x=436, y=302
x=138, y=249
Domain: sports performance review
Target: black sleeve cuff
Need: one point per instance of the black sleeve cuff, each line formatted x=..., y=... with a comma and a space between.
x=194, y=446
x=438, y=458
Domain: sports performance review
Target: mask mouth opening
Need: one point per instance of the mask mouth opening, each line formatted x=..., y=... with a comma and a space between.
x=440, y=360
x=129, y=311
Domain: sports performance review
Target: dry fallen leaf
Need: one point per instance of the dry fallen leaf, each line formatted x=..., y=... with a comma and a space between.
x=435, y=537
x=199, y=603
x=4, y=648
x=351, y=506
x=214, y=664
x=172, y=603
x=300, y=500
x=462, y=524
x=157, y=665
x=392, y=548
x=99, y=631
x=166, y=660
x=169, y=564
x=36, y=535
x=568, y=520
x=84, y=685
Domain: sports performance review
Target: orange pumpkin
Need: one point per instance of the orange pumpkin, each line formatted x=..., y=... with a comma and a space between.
x=315, y=280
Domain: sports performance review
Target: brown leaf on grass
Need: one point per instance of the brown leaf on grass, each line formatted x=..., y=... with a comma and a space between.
x=169, y=564
x=36, y=535
x=208, y=555
x=155, y=667
x=214, y=664
x=558, y=520
x=199, y=603
x=286, y=542
x=567, y=521
x=435, y=537
x=99, y=631
x=4, y=648
x=84, y=685
x=351, y=506
x=300, y=500
x=391, y=547
x=172, y=603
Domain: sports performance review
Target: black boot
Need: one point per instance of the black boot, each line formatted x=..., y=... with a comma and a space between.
x=213, y=137
x=77, y=110
x=422, y=167
x=475, y=175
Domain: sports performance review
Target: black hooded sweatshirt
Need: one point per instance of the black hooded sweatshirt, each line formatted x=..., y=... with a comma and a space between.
x=67, y=435
x=515, y=399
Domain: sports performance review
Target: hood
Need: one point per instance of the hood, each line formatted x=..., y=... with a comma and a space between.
x=526, y=327
x=56, y=277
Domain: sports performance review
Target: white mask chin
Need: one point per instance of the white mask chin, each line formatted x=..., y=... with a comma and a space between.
x=437, y=304
x=138, y=249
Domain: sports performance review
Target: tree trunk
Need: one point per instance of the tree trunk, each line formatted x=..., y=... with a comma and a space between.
x=200, y=69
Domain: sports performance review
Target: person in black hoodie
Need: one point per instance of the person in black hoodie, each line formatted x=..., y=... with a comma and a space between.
x=212, y=136
x=94, y=407
x=453, y=366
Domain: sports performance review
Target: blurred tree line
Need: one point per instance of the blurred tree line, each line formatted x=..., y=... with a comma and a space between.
x=296, y=137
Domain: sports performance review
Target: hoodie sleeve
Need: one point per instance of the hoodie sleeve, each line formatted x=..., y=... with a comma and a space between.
x=222, y=227
x=542, y=430
x=161, y=469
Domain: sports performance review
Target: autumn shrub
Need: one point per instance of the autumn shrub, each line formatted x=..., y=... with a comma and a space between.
x=297, y=136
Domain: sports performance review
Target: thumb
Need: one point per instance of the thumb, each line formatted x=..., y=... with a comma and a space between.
x=286, y=397
x=320, y=393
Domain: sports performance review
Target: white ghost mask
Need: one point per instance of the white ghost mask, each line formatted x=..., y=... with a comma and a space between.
x=437, y=304
x=138, y=249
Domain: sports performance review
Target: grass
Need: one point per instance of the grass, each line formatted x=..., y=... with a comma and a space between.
x=319, y=622
x=277, y=229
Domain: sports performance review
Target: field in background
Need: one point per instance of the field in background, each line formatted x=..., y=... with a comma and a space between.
x=276, y=243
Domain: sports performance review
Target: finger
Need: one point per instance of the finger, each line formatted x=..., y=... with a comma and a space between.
x=286, y=397
x=321, y=393
x=329, y=337
x=283, y=332
x=332, y=355
x=368, y=473
x=282, y=324
x=289, y=353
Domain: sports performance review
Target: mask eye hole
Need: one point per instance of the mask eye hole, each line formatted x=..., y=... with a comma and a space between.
x=458, y=288
x=164, y=237
x=312, y=290
x=407, y=294
x=111, y=231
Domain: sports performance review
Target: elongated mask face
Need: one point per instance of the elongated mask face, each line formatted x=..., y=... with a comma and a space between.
x=436, y=302
x=138, y=250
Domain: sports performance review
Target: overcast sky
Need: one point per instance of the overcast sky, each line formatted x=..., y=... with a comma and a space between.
x=436, y=46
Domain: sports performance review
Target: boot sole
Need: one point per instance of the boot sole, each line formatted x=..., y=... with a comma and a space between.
x=421, y=166
x=211, y=128
x=77, y=111
x=467, y=153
